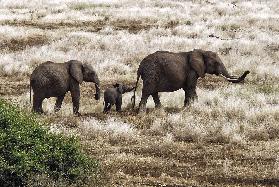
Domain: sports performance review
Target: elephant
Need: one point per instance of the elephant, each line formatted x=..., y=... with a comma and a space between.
x=114, y=96
x=165, y=71
x=51, y=79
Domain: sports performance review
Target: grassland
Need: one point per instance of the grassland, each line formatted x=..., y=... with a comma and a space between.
x=228, y=137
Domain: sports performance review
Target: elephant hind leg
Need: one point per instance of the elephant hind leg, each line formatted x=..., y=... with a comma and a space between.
x=147, y=90
x=118, y=105
x=106, y=107
x=58, y=103
x=37, y=103
x=142, y=104
x=109, y=107
x=156, y=100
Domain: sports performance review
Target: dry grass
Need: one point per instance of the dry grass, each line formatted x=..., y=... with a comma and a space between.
x=23, y=43
x=228, y=137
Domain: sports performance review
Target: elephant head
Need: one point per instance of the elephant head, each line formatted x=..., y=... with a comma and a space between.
x=209, y=62
x=85, y=72
x=121, y=88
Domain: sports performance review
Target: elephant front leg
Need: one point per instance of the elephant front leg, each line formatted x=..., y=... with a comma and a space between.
x=157, y=100
x=75, y=93
x=190, y=96
x=190, y=88
x=58, y=103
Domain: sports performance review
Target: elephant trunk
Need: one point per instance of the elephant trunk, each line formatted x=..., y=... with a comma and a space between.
x=97, y=87
x=224, y=73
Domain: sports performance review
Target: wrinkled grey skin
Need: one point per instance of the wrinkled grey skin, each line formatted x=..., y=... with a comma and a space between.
x=51, y=79
x=165, y=71
x=114, y=96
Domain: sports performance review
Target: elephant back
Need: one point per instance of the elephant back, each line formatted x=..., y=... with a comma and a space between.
x=51, y=78
x=163, y=71
x=110, y=95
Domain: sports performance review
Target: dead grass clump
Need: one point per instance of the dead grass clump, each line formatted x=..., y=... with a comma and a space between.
x=267, y=88
x=19, y=44
x=172, y=24
x=257, y=133
x=133, y=26
x=92, y=26
x=15, y=87
x=83, y=5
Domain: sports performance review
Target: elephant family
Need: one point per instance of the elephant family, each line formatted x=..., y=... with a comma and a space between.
x=165, y=71
x=51, y=79
x=114, y=96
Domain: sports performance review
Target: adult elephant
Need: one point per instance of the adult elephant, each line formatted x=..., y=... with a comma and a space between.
x=165, y=71
x=51, y=79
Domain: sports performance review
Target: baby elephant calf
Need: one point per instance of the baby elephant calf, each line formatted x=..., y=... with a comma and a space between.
x=114, y=96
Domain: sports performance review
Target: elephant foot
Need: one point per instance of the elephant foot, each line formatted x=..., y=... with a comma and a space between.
x=187, y=104
x=97, y=96
x=141, y=110
x=77, y=114
x=190, y=101
x=56, y=110
x=40, y=112
x=158, y=105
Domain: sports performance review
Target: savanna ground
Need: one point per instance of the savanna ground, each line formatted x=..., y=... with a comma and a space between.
x=229, y=137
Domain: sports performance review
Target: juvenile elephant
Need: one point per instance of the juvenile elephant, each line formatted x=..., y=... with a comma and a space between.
x=114, y=96
x=165, y=71
x=51, y=79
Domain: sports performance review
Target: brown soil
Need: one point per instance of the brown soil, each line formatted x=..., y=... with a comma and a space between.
x=22, y=43
x=132, y=26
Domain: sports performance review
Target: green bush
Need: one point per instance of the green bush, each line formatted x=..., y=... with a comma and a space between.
x=27, y=150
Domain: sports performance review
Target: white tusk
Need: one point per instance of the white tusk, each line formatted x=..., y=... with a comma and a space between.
x=97, y=86
x=229, y=79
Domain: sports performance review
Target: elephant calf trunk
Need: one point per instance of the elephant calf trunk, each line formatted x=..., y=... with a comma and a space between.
x=235, y=79
x=97, y=95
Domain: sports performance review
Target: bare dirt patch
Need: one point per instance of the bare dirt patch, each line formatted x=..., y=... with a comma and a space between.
x=133, y=26
x=19, y=44
x=13, y=86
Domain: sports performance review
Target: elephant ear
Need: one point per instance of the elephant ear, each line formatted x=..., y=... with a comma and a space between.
x=196, y=61
x=76, y=70
x=120, y=88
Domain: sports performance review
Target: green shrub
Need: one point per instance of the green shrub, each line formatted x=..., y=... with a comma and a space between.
x=27, y=150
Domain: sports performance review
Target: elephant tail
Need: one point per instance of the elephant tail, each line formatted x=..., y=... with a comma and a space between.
x=134, y=96
x=30, y=91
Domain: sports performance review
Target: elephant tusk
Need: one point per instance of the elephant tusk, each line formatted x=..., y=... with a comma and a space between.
x=229, y=79
x=236, y=80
